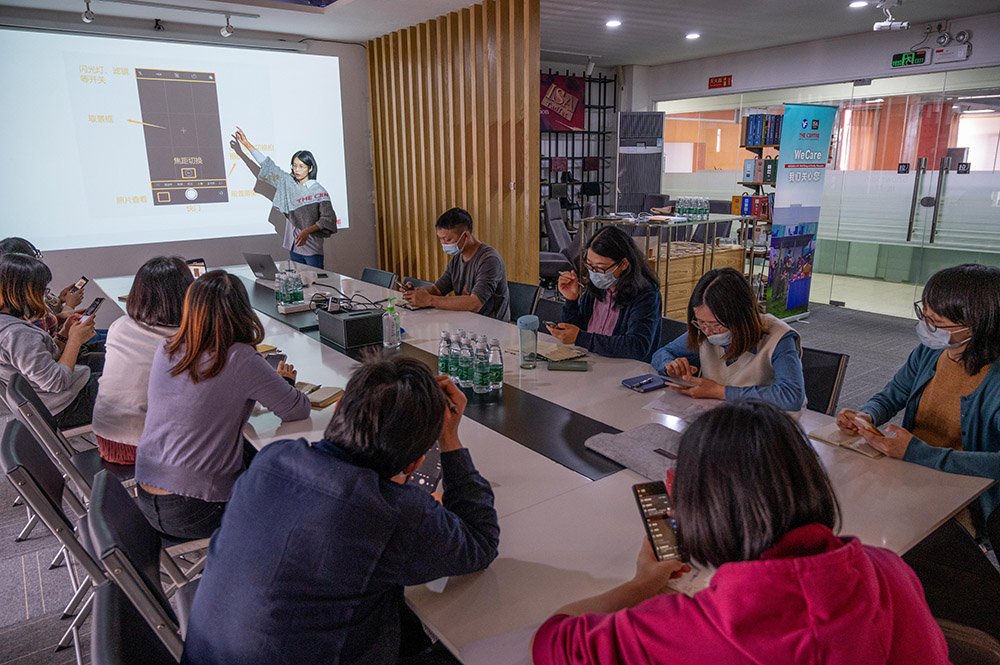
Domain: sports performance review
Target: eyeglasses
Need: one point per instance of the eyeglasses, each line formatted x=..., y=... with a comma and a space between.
x=590, y=266
x=709, y=327
x=918, y=309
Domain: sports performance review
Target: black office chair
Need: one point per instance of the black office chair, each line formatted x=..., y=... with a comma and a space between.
x=548, y=310
x=417, y=282
x=650, y=201
x=42, y=486
x=562, y=252
x=80, y=467
x=969, y=646
x=382, y=278
x=711, y=229
x=119, y=635
x=129, y=548
x=522, y=298
x=823, y=373
x=720, y=207
x=671, y=329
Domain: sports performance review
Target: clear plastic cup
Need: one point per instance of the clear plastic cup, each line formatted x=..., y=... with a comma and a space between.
x=527, y=328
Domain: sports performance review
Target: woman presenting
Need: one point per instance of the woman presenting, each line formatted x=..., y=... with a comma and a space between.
x=309, y=217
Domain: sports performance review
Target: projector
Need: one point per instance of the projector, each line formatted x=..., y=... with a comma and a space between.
x=879, y=26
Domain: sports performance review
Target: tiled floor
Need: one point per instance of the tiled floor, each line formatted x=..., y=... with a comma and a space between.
x=866, y=295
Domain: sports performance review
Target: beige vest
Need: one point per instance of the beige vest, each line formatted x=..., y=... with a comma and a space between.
x=750, y=369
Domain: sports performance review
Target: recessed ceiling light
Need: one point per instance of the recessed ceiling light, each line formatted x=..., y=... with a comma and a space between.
x=858, y=4
x=692, y=35
x=613, y=23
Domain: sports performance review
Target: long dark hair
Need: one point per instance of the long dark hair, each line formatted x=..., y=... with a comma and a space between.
x=612, y=243
x=157, y=294
x=387, y=440
x=969, y=295
x=727, y=293
x=23, y=280
x=217, y=314
x=307, y=158
x=746, y=476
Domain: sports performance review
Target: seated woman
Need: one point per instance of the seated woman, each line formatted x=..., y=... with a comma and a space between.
x=949, y=389
x=741, y=352
x=154, y=307
x=618, y=313
x=202, y=386
x=49, y=364
x=752, y=500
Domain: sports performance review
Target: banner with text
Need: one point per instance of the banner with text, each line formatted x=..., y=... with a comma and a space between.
x=798, y=192
x=563, y=102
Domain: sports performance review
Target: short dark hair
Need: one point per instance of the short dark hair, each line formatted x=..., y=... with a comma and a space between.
x=157, y=294
x=217, y=314
x=727, y=293
x=746, y=476
x=449, y=219
x=15, y=245
x=969, y=294
x=307, y=158
x=391, y=414
x=614, y=244
x=23, y=280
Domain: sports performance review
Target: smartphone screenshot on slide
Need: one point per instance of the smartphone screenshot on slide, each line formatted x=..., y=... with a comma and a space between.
x=180, y=117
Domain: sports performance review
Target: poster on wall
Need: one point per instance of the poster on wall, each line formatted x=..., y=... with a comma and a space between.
x=563, y=103
x=798, y=192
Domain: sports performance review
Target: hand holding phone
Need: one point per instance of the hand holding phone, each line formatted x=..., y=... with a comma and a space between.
x=80, y=283
x=274, y=359
x=658, y=516
x=428, y=475
x=94, y=306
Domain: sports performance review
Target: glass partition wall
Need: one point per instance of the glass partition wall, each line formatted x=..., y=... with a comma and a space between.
x=912, y=186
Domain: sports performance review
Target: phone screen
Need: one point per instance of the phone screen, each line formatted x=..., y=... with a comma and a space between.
x=658, y=516
x=82, y=282
x=94, y=306
x=677, y=381
x=428, y=475
x=274, y=358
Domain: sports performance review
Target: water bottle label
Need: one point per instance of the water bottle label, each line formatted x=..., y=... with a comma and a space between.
x=496, y=373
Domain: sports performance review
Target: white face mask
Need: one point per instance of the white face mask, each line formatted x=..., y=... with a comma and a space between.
x=939, y=339
x=721, y=339
x=452, y=249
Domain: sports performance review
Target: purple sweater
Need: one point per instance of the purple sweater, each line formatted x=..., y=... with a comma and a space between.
x=192, y=441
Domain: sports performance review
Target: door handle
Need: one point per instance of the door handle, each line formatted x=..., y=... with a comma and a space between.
x=918, y=176
x=945, y=167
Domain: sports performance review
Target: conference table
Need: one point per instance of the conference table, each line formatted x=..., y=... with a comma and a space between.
x=569, y=527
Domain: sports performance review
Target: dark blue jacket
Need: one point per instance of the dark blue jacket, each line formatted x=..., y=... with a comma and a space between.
x=313, y=553
x=636, y=335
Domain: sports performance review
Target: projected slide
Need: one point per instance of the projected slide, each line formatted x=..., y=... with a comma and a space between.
x=180, y=120
x=122, y=142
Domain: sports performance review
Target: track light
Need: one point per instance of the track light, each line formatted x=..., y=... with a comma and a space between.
x=590, y=67
x=87, y=16
x=227, y=30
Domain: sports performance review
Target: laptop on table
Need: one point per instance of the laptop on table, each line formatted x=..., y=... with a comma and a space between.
x=262, y=265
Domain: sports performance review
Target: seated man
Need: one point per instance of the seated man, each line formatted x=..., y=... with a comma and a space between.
x=319, y=539
x=476, y=273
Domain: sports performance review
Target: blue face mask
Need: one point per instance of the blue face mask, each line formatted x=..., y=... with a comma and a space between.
x=939, y=339
x=721, y=339
x=451, y=249
x=603, y=280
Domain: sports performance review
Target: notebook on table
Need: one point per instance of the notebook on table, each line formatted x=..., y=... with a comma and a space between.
x=320, y=397
x=832, y=435
x=552, y=351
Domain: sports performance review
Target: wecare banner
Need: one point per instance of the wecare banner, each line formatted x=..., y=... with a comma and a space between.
x=798, y=192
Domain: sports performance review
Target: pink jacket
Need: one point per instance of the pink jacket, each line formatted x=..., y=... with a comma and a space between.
x=811, y=599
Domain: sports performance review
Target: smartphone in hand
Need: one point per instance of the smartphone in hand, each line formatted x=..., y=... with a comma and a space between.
x=80, y=283
x=658, y=516
x=94, y=306
x=428, y=476
x=273, y=359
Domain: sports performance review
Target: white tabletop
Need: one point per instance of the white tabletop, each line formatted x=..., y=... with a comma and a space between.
x=564, y=537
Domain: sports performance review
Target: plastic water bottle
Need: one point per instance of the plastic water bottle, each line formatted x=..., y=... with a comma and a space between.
x=444, y=352
x=295, y=288
x=704, y=209
x=454, y=356
x=465, y=367
x=463, y=337
x=481, y=370
x=391, y=335
x=496, y=365
x=279, y=290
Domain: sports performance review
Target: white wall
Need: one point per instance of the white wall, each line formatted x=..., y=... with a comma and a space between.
x=865, y=55
x=347, y=252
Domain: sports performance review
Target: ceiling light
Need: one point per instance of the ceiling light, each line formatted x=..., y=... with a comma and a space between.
x=613, y=23
x=87, y=16
x=692, y=35
x=875, y=101
x=980, y=111
x=227, y=30
x=858, y=4
x=590, y=67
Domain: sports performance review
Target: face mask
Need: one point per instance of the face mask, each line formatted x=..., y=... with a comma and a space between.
x=721, y=339
x=452, y=249
x=939, y=339
x=603, y=280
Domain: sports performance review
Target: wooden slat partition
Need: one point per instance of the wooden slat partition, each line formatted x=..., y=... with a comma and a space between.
x=454, y=117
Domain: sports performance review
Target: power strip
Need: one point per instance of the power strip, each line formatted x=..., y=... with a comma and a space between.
x=292, y=309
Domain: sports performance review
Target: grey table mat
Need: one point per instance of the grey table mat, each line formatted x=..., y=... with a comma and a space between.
x=636, y=449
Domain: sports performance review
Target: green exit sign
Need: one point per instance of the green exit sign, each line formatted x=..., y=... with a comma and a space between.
x=910, y=59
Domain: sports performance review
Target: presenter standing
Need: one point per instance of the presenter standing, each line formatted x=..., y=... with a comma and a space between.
x=309, y=216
